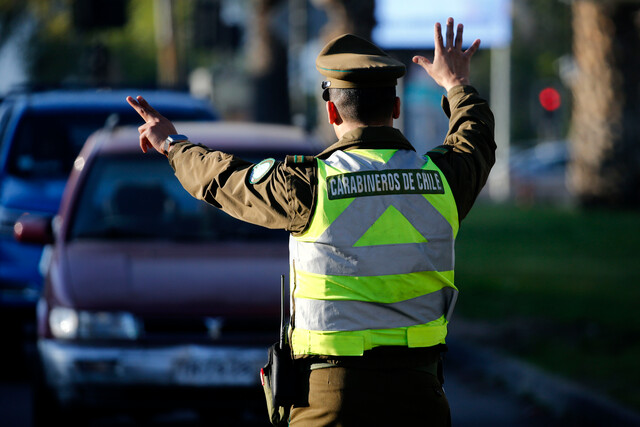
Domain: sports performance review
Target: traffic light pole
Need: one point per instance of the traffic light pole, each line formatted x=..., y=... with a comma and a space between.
x=498, y=183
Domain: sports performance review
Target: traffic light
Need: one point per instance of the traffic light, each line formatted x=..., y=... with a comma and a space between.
x=550, y=99
x=550, y=115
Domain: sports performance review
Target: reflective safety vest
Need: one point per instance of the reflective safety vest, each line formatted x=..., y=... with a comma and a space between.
x=375, y=265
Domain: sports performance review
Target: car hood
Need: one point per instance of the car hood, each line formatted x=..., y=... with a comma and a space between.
x=170, y=278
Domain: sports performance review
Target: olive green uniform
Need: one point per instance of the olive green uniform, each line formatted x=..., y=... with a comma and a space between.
x=285, y=198
x=401, y=382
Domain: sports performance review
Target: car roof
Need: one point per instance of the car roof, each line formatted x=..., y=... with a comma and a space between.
x=107, y=99
x=224, y=136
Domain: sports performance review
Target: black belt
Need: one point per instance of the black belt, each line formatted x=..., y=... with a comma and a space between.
x=386, y=357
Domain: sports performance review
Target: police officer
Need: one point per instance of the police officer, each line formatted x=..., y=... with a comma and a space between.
x=373, y=225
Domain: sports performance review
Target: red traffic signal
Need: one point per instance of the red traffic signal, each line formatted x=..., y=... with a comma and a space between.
x=549, y=99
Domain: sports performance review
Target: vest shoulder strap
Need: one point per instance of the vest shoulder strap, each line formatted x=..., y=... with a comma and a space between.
x=299, y=160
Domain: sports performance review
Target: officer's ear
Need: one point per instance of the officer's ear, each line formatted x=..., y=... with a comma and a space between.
x=396, y=108
x=332, y=114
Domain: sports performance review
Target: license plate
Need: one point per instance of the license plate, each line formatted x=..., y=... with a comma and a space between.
x=220, y=367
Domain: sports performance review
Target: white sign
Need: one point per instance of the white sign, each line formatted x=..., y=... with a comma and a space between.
x=408, y=24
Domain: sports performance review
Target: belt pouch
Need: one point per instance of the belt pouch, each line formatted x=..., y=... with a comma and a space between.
x=278, y=377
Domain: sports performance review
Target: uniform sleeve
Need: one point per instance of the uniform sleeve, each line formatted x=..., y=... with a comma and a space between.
x=468, y=152
x=281, y=199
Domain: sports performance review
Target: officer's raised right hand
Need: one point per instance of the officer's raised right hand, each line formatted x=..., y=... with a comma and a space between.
x=450, y=66
x=156, y=128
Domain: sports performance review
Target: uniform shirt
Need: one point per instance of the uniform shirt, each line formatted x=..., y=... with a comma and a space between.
x=285, y=198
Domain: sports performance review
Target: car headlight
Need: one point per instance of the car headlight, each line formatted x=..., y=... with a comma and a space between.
x=68, y=323
x=63, y=322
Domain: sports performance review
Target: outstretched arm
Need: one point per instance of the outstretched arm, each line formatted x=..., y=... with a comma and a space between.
x=450, y=66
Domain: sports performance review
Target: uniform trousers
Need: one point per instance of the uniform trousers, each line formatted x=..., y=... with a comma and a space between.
x=371, y=394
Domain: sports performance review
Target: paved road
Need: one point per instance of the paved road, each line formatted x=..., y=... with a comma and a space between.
x=474, y=402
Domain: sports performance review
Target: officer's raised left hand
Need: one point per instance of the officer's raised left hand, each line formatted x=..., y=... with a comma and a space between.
x=450, y=66
x=156, y=128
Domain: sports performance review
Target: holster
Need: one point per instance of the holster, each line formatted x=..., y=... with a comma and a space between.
x=278, y=382
x=278, y=375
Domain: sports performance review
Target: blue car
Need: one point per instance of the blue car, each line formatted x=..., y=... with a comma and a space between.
x=41, y=134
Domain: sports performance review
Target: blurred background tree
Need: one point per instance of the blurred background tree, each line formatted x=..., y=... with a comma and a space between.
x=268, y=64
x=68, y=44
x=605, y=132
x=343, y=16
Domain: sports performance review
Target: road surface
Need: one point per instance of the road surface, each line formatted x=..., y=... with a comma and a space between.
x=473, y=400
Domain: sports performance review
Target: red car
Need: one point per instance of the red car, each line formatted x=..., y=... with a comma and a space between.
x=153, y=299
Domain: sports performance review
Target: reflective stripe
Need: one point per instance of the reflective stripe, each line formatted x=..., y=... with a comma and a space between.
x=353, y=161
x=374, y=260
x=341, y=315
x=384, y=289
x=342, y=258
x=350, y=225
x=355, y=343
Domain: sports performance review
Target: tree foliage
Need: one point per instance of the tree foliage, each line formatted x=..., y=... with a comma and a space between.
x=58, y=54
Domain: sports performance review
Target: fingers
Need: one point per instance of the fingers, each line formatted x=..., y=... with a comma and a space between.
x=144, y=144
x=142, y=107
x=136, y=106
x=449, y=33
x=472, y=49
x=422, y=61
x=156, y=127
x=148, y=108
x=437, y=38
x=449, y=42
x=458, y=44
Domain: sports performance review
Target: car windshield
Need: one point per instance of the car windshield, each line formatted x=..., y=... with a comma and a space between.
x=47, y=143
x=138, y=198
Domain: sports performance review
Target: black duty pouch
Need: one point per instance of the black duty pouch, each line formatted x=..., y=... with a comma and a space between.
x=278, y=382
x=278, y=376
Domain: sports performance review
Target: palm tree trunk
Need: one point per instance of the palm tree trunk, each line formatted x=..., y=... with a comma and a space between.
x=605, y=136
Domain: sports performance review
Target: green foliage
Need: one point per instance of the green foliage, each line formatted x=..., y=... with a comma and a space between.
x=134, y=46
x=557, y=287
x=58, y=53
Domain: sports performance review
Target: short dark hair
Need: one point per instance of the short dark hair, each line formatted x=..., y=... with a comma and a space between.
x=363, y=105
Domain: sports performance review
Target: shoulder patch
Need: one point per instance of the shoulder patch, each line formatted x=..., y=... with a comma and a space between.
x=260, y=170
x=299, y=160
